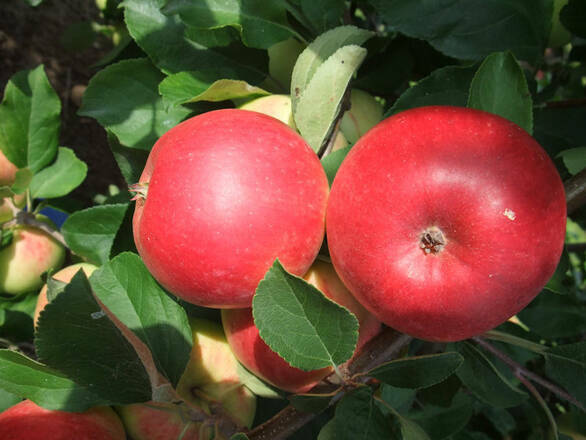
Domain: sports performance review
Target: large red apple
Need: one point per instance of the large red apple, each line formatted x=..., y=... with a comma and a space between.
x=27, y=421
x=246, y=343
x=229, y=191
x=446, y=221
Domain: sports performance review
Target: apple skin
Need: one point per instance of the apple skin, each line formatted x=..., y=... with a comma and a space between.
x=229, y=192
x=31, y=253
x=27, y=421
x=484, y=183
x=364, y=113
x=7, y=175
x=246, y=343
x=65, y=275
x=282, y=58
x=211, y=374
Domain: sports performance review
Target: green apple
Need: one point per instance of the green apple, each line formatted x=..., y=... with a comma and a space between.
x=282, y=58
x=65, y=276
x=31, y=253
x=210, y=379
x=364, y=113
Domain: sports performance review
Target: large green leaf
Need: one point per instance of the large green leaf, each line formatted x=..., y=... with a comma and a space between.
x=446, y=86
x=499, y=87
x=440, y=422
x=27, y=378
x=481, y=377
x=124, y=98
x=91, y=232
x=128, y=290
x=60, y=178
x=323, y=14
x=29, y=120
x=297, y=321
x=174, y=48
x=76, y=337
x=472, y=29
x=358, y=417
x=260, y=23
x=566, y=364
x=419, y=371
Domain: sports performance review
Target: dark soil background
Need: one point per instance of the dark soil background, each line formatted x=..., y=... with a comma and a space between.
x=30, y=36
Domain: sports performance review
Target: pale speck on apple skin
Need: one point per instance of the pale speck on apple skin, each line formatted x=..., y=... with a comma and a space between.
x=510, y=214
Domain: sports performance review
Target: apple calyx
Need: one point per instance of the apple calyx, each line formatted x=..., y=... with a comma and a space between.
x=432, y=240
x=139, y=190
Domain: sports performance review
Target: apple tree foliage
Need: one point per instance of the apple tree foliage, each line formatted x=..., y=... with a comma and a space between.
x=119, y=338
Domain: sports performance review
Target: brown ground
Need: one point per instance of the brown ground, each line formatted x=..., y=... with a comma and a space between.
x=31, y=36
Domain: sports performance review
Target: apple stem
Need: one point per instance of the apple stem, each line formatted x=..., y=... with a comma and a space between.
x=519, y=369
x=140, y=190
x=432, y=240
x=28, y=219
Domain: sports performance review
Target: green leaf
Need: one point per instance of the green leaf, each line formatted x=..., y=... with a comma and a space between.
x=573, y=17
x=7, y=399
x=76, y=337
x=501, y=419
x=173, y=48
x=314, y=403
x=554, y=316
x=418, y=371
x=126, y=288
x=472, y=29
x=130, y=160
x=323, y=14
x=22, y=181
x=321, y=100
x=566, y=364
x=332, y=162
x=60, y=178
x=559, y=128
x=557, y=282
x=446, y=86
x=318, y=52
x=358, y=417
x=328, y=432
x=441, y=423
x=260, y=23
x=184, y=87
x=239, y=436
x=299, y=323
x=29, y=120
x=574, y=159
x=256, y=385
x=54, y=287
x=26, y=378
x=482, y=378
x=16, y=322
x=499, y=87
x=400, y=399
x=91, y=232
x=123, y=97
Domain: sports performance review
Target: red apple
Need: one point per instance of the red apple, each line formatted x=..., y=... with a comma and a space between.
x=31, y=253
x=65, y=275
x=210, y=378
x=7, y=174
x=446, y=221
x=27, y=421
x=257, y=356
x=229, y=191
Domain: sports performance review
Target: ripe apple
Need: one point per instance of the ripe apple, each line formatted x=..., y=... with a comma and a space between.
x=257, y=356
x=65, y=275
x=210, y=378
x=7, y=174
x=229, y=191
x=31, y=253
x=27, y=421
x=446, y=221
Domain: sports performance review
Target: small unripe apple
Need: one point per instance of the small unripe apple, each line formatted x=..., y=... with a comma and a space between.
x=7, y=170
x=31, y=253
x=7, y=175
x=210, y=379
x=229, y=191
x=279, y=107
x=282, y=58
x=364, y=113
x=446, y=221
x=246, y=343
x=65, y=275
x=28, y=421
